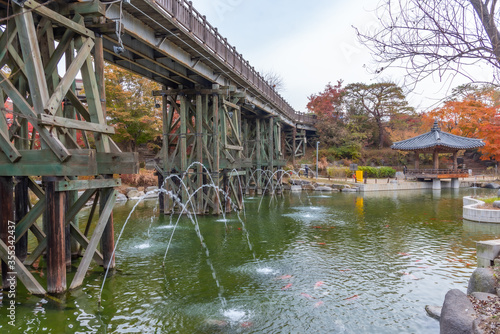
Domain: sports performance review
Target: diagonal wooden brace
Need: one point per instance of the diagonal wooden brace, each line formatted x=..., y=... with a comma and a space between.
x=94, y=241
x=21, y=272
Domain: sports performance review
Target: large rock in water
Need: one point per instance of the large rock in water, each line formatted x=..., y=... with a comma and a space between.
x=457, y=315
x=135, y=194
x=121, y=198
x=433, y=311
x=482, y=280
x=323, y=188
x=492, y=185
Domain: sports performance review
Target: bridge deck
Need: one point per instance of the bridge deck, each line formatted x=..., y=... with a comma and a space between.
x=172, y=43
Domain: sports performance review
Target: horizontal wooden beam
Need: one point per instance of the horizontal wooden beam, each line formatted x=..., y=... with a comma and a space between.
x=88, y=8
x=237, y=173
x=87, y=184
x=230, y=104
x=45, y=163
x=175, y=92
x=74, y=124
x=233, y=147
x=117, y=163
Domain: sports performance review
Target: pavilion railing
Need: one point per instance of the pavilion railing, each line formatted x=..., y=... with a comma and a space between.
x=416, y=172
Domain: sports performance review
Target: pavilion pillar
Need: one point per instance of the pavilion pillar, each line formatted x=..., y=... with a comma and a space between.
x=455, y=163
x=435, y=158
x=417, y=160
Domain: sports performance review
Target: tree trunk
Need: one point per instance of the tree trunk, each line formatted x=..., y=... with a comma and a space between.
x=380, y=133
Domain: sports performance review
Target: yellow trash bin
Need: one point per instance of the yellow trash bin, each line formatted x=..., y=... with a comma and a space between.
x=359, y=176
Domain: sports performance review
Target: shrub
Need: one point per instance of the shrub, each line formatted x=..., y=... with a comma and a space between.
x=377, y=172
x=338, y=172
x=145, y=178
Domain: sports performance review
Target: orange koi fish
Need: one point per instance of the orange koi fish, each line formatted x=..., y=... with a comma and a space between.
x=352, y=297
x=284, y=277
x=318, y=304
x=318, y=284
x=305, y=295
x=286, y=287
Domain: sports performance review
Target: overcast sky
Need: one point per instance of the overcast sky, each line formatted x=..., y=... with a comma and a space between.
x=308, y=43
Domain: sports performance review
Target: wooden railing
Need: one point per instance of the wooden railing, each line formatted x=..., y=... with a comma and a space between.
x=416, y=172
x=185, y=14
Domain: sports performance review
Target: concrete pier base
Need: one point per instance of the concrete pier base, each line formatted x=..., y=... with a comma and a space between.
x=436, y=184
x=487, y=251
x=455, y=184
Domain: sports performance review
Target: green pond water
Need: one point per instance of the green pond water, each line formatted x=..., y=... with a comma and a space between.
x=304, y=263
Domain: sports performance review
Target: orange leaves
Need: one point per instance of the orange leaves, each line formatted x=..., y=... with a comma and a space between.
x=475, y=115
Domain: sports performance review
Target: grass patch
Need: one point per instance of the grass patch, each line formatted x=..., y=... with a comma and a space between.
x=490, y=200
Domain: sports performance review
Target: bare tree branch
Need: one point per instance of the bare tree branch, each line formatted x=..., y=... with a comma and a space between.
x=436, y=37
x=274, y=79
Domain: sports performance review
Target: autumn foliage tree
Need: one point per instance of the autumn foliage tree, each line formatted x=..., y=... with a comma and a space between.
x=474, y=114
x=333, y=127
x=378, y=102
x=130, y=107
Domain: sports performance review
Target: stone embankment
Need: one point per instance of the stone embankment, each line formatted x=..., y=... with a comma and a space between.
x=478, y=311
x=300, y=185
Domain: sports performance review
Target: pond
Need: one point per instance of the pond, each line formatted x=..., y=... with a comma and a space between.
x=304, y=262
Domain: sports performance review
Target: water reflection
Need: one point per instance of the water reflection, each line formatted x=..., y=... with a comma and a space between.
x=370, y=262
x=481, y=228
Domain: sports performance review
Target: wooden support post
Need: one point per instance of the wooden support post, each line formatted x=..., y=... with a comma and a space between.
x=216, y=148
x=22, y=201
x=56, y=255
x=294, y=146
x=225, y=185
x=67, y=231
x=279, y=180
x=161, y=195
x=455, y=162
x=183, y=140
x=165, y=147
x=246, y=150
x=199, y=151
x=258, y=150
x=271, y=145
x=70, y=113
x=435, y=159
x=417, y=160
x=108, y=235
x=304, y=141
x=6, y=215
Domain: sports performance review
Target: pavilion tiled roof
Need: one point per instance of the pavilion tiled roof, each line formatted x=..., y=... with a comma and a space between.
x=436, y=137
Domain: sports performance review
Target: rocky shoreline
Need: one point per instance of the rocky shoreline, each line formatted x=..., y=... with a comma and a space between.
x=478, y=311
x=133, y=193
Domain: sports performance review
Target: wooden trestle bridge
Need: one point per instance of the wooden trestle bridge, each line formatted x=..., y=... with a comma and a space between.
x=216, y=110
